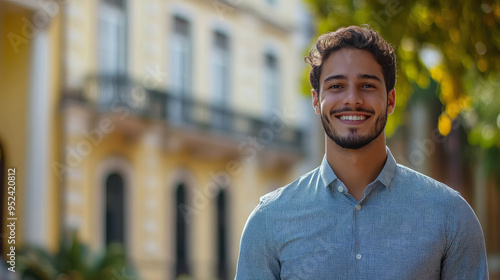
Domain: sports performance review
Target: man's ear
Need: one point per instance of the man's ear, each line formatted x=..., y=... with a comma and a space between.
x=391, y=101
x=315, y=101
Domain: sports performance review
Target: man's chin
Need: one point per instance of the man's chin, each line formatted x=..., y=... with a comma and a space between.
x=352, y=146
x=349, y=143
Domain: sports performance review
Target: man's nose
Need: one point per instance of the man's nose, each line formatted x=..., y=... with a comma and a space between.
x=353, y=97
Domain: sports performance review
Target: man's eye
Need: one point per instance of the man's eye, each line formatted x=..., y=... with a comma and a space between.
x=335, y=86
x=368, y=86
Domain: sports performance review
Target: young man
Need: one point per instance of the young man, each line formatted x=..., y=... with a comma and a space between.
x=360, y=215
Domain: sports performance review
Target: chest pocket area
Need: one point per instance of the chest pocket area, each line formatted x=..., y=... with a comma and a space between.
x=313, y=265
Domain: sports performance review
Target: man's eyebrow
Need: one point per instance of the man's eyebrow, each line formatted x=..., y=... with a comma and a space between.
x=334, y=77
x=344, y=77
x=368, y=76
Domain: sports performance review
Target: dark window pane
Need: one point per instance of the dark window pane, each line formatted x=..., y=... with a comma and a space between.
x=181, y=235
x=181, y=26
x=114, y=209
x=222, y=258
x=271, y=62
x=221, y=41
x=117, y=3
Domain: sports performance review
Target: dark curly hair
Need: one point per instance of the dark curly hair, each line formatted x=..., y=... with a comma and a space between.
x=352, y=37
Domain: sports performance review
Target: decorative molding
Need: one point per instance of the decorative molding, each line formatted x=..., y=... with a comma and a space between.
x=219, y=25
x=74, y=197
x=273, y=47
x=33, y=5
x=181, y=10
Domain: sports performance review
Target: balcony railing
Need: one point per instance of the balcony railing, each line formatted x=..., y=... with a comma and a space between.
x=119, y=93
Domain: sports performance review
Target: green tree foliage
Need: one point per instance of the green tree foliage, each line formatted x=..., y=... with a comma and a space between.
x=74, y=261
x=455, y=43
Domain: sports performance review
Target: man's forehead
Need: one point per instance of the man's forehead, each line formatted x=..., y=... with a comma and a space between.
x=352, y=63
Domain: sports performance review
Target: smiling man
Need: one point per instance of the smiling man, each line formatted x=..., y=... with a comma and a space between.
x=360, y=215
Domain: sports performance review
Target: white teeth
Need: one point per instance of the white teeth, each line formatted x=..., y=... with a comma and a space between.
x=352, y=118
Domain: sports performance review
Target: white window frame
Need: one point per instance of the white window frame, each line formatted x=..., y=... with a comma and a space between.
x=112, y=24
x=181, y=69
x=181, y=51
x=220, y=66
x=271, y=84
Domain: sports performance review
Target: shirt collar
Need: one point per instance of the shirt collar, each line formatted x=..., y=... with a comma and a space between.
x=326, y=172
x=387, y=173
x=385, y=176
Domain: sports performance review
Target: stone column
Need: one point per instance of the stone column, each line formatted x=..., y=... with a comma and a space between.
x=38, y=146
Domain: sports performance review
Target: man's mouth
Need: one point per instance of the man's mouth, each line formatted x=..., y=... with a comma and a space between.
x=353, y=118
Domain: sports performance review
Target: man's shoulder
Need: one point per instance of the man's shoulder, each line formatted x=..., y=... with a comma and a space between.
x=416, y=182
x=289, y=194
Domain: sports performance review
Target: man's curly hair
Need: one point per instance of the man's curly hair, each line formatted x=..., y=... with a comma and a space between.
x=356, y=37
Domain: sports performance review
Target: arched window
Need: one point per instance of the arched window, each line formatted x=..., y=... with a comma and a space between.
x=181, y=232
x=222, y=234
x=115, y=216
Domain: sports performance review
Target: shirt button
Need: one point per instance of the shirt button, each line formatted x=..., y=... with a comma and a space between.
x=340, y=189
x=358, y=256
x=358, y=207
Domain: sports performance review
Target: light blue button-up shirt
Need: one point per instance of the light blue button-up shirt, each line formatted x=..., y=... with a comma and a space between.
x=407, y=226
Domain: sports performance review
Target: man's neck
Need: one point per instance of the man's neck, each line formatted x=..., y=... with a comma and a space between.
x=357, y=168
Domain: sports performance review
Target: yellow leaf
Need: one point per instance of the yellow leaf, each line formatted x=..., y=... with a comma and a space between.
x=444, y=124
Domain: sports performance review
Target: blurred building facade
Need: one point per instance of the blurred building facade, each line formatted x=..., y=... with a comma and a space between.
x=159, y=124
x=155, y=124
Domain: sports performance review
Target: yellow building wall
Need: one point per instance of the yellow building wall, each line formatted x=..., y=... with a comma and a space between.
x=80, y=35
x=14, y=78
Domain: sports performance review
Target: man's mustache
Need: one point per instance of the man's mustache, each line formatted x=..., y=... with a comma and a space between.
x=348, y=109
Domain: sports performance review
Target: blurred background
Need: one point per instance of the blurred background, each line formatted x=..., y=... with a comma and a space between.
x=143, y=133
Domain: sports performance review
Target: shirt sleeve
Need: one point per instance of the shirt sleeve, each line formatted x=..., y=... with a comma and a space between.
x=465, y=257
x=257, y=259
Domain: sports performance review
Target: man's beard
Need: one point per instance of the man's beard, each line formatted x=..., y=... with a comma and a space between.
x=353, y=140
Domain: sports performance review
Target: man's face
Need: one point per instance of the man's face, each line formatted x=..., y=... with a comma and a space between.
x=353, y=102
